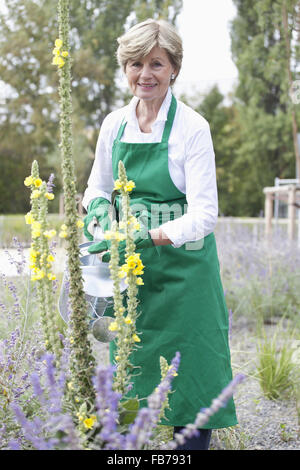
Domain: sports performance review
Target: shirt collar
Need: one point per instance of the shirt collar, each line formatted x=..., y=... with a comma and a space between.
x=130, y=116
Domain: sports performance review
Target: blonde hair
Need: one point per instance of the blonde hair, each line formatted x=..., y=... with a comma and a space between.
x=141, y=38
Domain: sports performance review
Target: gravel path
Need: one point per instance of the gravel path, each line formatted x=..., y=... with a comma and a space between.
x=263, y=424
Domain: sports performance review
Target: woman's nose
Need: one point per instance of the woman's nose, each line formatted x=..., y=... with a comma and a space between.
x=146, y=71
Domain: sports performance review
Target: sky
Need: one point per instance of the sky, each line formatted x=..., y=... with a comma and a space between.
x=204, y=28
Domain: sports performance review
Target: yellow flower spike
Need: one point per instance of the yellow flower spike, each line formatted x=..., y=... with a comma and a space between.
x=28, y=218
x=65, y=53
x=35, y=233
x=174, y=371
x=36, y=225
x=28, y=181
x=118, y=185
x=113, y=326
x=56, y=51
x=129, y=186
x=136, y=338
x=138, y=272
x=58, y=43
x=70, y=385
x=49, y=233
x=120, y=236
x=89, y=423
x=121, y=274
x=124, y=269
x=55, y=60
x=49, y=196
x=108, y=235
x=63, y=231
x=37, y=182
x=38, y=276
x=79, y=224
x=131, y=264
x=61, y=62
x=35, y=194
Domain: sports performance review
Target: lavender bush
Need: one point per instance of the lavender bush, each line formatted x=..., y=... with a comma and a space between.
x=261, y=279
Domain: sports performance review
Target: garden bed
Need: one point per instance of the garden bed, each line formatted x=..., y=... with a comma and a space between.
x=261, y=283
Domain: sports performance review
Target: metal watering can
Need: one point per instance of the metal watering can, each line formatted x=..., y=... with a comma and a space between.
x=98, y=288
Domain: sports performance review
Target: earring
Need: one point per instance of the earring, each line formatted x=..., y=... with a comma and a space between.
x=172, y=76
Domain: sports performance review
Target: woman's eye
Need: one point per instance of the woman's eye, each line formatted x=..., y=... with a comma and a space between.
x=135, y=64
x=157, y=64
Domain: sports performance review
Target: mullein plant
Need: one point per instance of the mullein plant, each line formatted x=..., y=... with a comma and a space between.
x=82, y=361
x=41, y=258
x=125, y=317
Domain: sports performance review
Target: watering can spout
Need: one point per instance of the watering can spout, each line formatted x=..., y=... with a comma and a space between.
x=98, y=287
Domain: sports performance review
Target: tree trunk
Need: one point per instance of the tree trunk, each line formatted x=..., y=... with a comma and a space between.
x=290, y=78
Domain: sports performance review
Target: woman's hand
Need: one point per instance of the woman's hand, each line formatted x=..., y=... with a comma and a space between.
x=98, y=209
x=142, y=241
x=159, y=237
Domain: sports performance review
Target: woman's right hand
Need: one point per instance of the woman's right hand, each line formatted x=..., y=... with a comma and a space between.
x=98, y=215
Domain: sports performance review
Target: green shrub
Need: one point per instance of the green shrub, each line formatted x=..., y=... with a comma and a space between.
x=274, y=367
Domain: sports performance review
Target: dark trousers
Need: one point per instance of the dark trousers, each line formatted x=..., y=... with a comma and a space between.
x=200, y=442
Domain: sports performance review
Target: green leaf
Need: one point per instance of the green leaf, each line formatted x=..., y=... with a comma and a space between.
x=129, y=411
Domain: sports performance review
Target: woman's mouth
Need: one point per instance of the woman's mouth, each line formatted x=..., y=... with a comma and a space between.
x=147, y=86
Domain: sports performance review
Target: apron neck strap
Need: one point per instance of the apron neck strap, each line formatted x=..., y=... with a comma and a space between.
x=121, y=129
x=170, y=119
x=168, y=125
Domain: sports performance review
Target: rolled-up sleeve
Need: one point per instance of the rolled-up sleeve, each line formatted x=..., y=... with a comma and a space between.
x=201, y=213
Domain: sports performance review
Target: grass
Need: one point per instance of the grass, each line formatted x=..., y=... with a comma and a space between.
x=14, y=226
x=275, y=366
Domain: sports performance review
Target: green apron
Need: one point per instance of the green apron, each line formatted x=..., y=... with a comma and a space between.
x=182, y=300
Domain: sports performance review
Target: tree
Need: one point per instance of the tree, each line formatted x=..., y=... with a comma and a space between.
x=29, y=115
x=262, y=96
x=225, y=131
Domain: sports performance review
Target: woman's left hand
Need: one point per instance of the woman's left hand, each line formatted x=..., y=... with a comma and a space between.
x=142, y=240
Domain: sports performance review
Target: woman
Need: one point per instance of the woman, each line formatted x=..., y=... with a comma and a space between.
x=167, y=151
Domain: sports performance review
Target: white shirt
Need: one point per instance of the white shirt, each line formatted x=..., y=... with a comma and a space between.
x=191, y=162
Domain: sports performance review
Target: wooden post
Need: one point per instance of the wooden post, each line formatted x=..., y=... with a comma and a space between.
x=268, y=213
x=291, y=212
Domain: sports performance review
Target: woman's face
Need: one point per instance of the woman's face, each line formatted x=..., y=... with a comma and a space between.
x=149, y=77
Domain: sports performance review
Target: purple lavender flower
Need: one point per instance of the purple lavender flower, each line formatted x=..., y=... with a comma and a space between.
x=50, y=184
x=141, y=430
x=203, y=416
x=53, y=428
x=107, y=402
